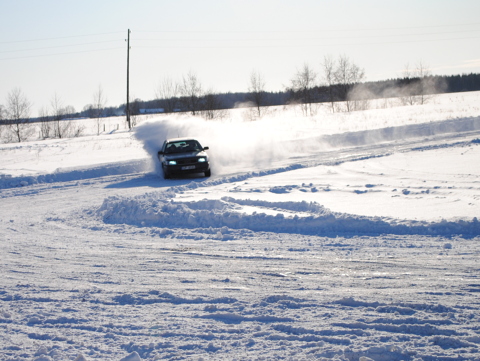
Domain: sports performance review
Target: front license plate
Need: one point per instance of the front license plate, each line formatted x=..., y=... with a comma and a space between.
x=188, y=167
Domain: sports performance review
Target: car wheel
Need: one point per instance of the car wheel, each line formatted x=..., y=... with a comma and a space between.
x=165, y=174
x=208, y=173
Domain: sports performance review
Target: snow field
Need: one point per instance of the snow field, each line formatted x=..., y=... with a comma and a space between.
x=236, y=294
x=337, y=237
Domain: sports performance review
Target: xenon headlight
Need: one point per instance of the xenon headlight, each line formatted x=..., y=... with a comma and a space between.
x=172, y=162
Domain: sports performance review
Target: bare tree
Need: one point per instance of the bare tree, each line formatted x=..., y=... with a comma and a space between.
x=99, y=102
x=419, y=85
x=426, y=85
x=256, y=91
x=60, y=127
x=18, y=115
x=328, y=66
x=191, y=91
x=408, y=91
x=45, y=123
x=347, y=75
x=303, y=88
x=167, y=94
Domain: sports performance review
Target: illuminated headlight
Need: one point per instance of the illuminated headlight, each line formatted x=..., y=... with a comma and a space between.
x=172, y=162
x=202, y=160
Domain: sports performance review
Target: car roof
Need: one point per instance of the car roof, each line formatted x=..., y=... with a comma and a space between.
x=171, y=140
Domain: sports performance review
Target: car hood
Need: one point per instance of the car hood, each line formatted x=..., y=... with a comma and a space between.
x=185, y=155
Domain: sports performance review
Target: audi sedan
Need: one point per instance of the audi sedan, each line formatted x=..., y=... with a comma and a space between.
x=182, y=156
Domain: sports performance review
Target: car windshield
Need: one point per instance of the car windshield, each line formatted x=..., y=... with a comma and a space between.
x=183, y=146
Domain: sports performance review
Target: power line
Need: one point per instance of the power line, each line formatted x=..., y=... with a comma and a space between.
x=59, y=37
x=72, y=52
x=316, y=38
x=299, y=45
x=59, y=46
x=243, y=32
x=304, y=31
x=231, y=47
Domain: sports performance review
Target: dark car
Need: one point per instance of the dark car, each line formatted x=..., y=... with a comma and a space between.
x=183, y=156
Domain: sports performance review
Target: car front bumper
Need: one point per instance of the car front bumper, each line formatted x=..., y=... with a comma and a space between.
x=186, y=168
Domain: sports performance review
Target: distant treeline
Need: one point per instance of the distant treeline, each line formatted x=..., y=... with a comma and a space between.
x=342, y=95
x=462, y=83
x=376, y=89
x=446, y=83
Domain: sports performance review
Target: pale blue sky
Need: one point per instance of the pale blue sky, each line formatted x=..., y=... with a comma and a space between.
x=71, y=47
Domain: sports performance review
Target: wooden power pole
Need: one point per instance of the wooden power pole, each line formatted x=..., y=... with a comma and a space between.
x=127, y=110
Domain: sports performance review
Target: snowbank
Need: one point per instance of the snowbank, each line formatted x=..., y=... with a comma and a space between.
x=161, y=210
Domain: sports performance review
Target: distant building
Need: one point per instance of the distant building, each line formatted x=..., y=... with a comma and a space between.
x=152, y=111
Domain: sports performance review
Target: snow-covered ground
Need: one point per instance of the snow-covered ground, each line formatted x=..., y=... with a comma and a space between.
x=345, y=236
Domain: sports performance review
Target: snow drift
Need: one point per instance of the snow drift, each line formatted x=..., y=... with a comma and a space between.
x=160, y=210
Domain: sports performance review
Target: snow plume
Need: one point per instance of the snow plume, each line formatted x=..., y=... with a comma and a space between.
x=409, y=91
x=237, y=146
x=233, y=144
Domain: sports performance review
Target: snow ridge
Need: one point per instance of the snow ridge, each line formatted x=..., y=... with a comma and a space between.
x=75, y=174
x=161, y=210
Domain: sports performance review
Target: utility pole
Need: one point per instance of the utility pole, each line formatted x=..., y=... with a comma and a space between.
x=127, y=110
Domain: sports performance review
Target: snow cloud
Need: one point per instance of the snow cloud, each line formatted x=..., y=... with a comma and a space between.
x=233, y=143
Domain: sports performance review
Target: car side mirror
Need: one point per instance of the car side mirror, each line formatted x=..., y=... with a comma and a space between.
x=160, y=152
x=205, y=148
